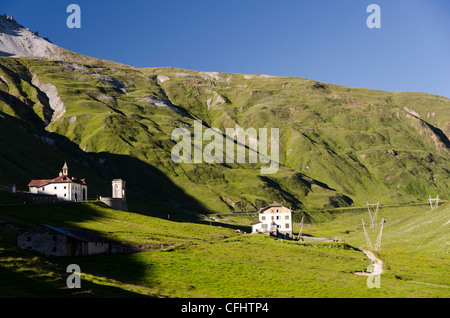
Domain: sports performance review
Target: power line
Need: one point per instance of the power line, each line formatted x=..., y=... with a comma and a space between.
x=436, y=204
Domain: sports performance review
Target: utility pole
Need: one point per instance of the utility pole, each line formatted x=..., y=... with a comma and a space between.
x=368, y=242
x=378, y=243
x=436, y=204
x=300, y=234
x=373, y=218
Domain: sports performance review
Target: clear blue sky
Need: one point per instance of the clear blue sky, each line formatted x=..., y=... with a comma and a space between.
x=324, y=40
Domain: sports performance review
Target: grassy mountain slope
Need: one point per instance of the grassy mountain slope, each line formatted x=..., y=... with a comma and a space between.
x=28, y=274
x=368, y=144
x=183, y=259
x=416, y=230
x=426, y=233
x=414, y=245
x=339, y=145
x=112, y=114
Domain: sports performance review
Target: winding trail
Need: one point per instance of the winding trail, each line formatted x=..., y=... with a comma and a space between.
x=378, y=269
x=377, y=263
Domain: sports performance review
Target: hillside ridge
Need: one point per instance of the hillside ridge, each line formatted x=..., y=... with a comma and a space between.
x=338, y=145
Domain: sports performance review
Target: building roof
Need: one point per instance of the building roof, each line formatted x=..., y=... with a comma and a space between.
x=77, y=234
x=60, y=179
x=272, y=205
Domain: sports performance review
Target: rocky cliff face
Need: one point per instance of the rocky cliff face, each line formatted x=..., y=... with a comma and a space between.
x=18, y=41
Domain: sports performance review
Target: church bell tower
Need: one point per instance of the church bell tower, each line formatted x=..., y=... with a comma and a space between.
x=118, y=188
x=65, y=170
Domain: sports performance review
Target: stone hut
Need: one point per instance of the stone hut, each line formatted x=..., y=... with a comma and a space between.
x=53, y=241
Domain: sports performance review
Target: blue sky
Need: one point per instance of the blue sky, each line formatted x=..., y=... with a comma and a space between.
x=324, y=40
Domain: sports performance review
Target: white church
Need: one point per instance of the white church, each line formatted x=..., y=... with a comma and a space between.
x=65, y=187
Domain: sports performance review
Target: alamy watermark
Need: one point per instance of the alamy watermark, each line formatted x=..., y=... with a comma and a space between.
x=374, y=280
x=373, y=20
x=74, y=279
x=74, y=19
x=224, y=147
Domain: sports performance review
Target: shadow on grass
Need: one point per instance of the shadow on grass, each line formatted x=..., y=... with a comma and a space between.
x=17, y=283
x=149, y=192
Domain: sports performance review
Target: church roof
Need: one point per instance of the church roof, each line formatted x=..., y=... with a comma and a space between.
x=63, y=178
x=60, y=179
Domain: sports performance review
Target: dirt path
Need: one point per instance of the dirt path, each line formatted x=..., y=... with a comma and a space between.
x=377, y=265
x=378, y=269
x=435, y=285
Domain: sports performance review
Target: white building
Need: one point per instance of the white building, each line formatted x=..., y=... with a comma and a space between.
x=274, y=219
x=118, y=188
x=65, y=187
x=118, y=201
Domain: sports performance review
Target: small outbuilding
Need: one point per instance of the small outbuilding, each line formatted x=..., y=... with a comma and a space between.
x=53, y=241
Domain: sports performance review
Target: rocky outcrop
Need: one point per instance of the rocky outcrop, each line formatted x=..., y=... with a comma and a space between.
x=17, y=41
x=52, y=98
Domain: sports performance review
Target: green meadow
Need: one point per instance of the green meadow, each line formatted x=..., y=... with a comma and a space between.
x=186, y=256
x=339, y=147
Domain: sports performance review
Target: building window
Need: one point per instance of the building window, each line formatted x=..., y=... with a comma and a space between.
x=65, y=187
x=286, y=217
x=263, y=218
x=28, y=238
x=272, y=218
x=54, y=249
x=29, y=247
x=287, y=225
x=264, y=226
x=277, y=210
x=43, y=188
x=278, y=217
x=55, y=188
x=65, y=194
